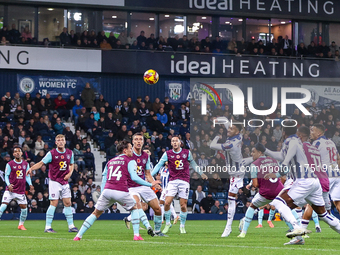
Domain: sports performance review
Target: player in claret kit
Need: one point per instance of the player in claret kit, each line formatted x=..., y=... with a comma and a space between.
x=140, y=192
x=60, y=162
x=268, y=189
x=119, y=170
x=16, y=178
x=179, y=160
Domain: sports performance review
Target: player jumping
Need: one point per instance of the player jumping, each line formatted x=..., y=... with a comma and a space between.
x=16, y=178
x=119, y=170
x=178, y=163
x=233, y=148
x=60, y=162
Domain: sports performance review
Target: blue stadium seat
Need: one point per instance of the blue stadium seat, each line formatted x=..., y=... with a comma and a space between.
x=190, y=193
x=189, y=202
x=47, y=138
x=205, y=189
x=222, y=201
x=220, y=195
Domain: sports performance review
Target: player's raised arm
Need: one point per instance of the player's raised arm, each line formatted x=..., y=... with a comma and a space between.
x=214, y=145
x=278, y=155
x=47, y=159
x=247, y=161
x=132, y=166
x=160, y=163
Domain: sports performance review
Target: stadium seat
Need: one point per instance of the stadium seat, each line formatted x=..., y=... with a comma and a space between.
x=205, y=189
x=220, y=195
x=189, y=202
x=222, y=201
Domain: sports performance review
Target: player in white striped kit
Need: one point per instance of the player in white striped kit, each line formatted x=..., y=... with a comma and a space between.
x=232, y=147
x=164, y=173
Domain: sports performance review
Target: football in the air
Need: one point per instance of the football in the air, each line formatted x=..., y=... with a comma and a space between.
x=240, y=226
x=151, y=77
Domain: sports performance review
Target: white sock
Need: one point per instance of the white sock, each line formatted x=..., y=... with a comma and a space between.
x=285, y=211
x=299, y=213
x=331, y=221
x=162, y=209
x=231, y=211
x=173, y=212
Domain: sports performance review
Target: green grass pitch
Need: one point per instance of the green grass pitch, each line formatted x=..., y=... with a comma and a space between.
x=203, y=237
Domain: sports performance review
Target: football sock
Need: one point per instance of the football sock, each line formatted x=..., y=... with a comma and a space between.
x=23, y=216
x=231, y=211
x=288, y=224
x=315, y=219
x=69, y=216
x=299, y=213
x=260, y=216
x=285, y=211
x=49, y=216
x=2, y=209
x=183, y=218
x=249, y=217
x=162, y=208
x=129, y=218
x=143, y=218
x=135, y=221
x=86, y=225
x=173, y=212
x=167, y=215
x=297, y=216
x=331, y=221
x=271, y=214
x=304, y=223
x=158, y=222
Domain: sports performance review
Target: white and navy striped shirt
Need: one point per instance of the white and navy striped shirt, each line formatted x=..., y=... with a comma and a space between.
x=164, y=172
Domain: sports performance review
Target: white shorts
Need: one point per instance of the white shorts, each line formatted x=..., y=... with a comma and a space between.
x=328, y=204
x=334, y=188
x=109, y=197
x=162, y=197
x=177, y=187
x=236, y=183
x=306, y=191
x=260, y=201
x=57, y=190
x=288, y=183
x=143, y=192
x=9, y=196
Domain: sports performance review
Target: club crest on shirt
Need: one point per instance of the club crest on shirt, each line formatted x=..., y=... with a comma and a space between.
x=144, y=161
x=138, y=160
x=178, y=156
x=184, y=155
x=68, y=156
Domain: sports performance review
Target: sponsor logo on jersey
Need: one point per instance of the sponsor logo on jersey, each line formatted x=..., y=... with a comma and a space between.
x=56, y=156
x=14, y=167
x=172, y=156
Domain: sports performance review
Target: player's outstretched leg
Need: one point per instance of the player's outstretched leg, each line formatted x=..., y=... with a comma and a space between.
x=316, y=222
x=145, y=221
x=183, y=219
x=86, y=225
x=174, y=214
x=260, y=218
x=167, y=216
x=49, y=219
x=331, y=221
x=23, y=217
x=2, y=209
x=231, y=214
x=69, y=218
x=248, y=218
x=135, y=225
x=270, y=217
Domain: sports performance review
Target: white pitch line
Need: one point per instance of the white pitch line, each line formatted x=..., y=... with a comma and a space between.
x=179, y=244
